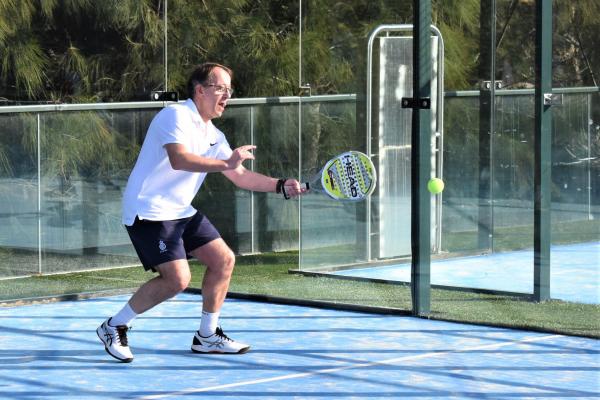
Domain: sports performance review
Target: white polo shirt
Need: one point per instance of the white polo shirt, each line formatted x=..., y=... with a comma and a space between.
x=155, y=191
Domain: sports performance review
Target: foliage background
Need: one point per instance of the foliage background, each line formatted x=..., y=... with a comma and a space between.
x=113, y=50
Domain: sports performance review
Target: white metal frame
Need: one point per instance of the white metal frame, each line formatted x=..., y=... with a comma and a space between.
x=386, y=29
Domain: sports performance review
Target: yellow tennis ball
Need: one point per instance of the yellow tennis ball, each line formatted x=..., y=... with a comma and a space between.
x=435, y=185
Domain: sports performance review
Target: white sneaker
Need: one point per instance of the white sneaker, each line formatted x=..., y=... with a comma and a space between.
x=218, y=342
x=115, y=341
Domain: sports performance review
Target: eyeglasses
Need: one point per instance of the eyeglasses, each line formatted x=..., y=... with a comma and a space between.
x=221, y=89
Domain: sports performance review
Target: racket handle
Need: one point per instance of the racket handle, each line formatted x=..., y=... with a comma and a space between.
x=305, y=185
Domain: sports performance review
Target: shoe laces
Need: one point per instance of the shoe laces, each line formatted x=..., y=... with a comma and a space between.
x=222, y=334
x=122, y=334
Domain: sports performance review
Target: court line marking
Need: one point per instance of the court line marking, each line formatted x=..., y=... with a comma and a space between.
x=345, y=368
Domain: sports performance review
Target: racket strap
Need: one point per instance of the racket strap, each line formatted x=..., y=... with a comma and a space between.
x=280, y=188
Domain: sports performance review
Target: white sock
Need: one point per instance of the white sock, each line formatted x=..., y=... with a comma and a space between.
x=123, y=317
x=208, y=323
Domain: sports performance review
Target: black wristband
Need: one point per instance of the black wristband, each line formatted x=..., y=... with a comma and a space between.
x=280, y=188
x=279, y=185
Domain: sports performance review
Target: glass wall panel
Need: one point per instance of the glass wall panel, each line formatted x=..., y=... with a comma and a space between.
x=256, y=222
x=573, y=154
x=18, y=195
x=86, y=158
x=594, y=146
x=334, y=41
x=575, y=251
x=512, y=173
x=332, y=232
x=341, y=240
x=460, y=196
x=491, y=153
x=278, y=155
x=231, y=210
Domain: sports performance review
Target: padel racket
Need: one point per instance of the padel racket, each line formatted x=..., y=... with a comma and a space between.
x=349, y=176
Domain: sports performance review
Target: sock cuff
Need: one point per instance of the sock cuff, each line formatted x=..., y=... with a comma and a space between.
x=208, y=323
x=123, y=317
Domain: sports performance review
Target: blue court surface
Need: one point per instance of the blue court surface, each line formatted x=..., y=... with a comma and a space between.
x=50, y=351
x=574, y=272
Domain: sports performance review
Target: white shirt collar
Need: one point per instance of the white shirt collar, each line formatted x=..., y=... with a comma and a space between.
x=189, y=103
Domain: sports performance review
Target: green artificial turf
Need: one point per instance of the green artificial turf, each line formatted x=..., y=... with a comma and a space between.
x=269, y=275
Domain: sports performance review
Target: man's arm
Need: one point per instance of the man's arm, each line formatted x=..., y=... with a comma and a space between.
x=181, y=159
x=250, y=180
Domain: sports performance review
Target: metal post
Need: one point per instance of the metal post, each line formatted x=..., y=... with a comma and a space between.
x=543, y=143
x=421, y=160
x=165, y=49
x=487, y=114
x=253, y=235
x=588, y=122
x=39, y=192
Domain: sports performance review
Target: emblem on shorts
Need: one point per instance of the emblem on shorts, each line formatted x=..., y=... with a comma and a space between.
x=162, y=246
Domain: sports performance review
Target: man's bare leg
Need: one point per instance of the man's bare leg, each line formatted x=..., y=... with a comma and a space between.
x=219, y=261
x=174, y=277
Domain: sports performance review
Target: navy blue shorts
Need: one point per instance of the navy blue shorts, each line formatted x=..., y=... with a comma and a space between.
x=157, y=242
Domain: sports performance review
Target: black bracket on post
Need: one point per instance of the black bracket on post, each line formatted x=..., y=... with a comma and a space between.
x=409, y=102
x=164, y=96
x=553, y=99
x=487, y=85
